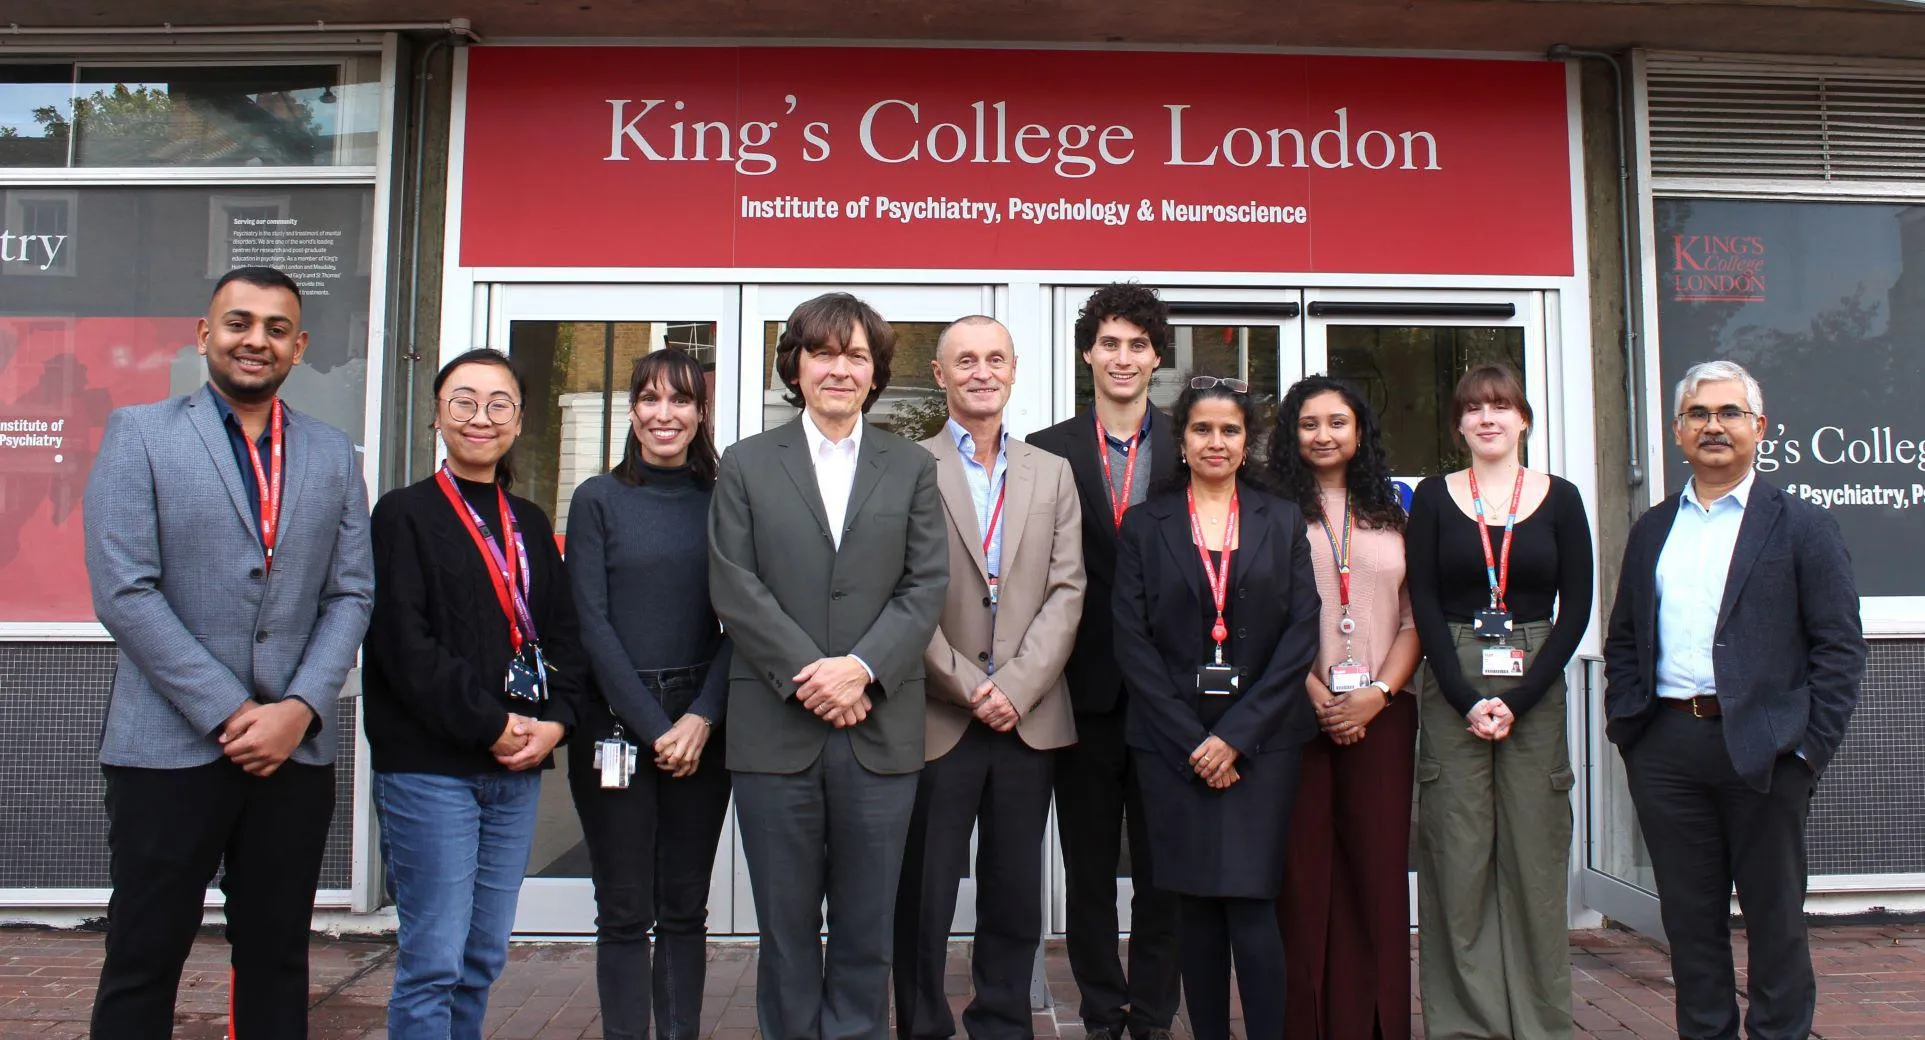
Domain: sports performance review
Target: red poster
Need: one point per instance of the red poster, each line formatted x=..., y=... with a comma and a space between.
x=59, y=377
x=1001, y=159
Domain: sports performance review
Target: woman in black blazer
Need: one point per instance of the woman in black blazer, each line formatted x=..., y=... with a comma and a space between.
x=1217, y=713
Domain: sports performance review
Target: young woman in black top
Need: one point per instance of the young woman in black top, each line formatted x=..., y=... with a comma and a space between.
x=1492, y=550
x=473, y=673
x=638, y=557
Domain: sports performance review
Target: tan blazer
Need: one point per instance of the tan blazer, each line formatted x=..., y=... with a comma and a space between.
x=1038, y=609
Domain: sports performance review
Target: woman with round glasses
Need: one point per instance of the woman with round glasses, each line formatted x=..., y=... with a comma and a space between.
x=472, y=678
x=645, y=765
x=1346, y=894
x=1216, y=623
x=1500, y=586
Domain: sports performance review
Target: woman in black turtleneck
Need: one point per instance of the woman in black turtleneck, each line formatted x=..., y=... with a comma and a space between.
x=473, y=676
x=638, y=557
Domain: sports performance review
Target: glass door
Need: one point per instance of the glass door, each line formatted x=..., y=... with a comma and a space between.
x=576, y=346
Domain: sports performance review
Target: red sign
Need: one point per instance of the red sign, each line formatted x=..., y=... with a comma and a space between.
x=1000, y=159
x=59, y=377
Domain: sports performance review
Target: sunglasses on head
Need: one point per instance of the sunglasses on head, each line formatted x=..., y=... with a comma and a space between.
x=1235, y=386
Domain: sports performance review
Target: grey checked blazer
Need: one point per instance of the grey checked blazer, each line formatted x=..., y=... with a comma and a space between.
x=789, y=597
x=175, y=562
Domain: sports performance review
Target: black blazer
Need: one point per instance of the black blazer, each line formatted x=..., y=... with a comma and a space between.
x=1789, y=651
x=1163, y=612
x=1095, y=684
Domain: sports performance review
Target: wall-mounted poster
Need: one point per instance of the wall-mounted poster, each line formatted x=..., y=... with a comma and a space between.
x=1825, y=304
x=99, y=292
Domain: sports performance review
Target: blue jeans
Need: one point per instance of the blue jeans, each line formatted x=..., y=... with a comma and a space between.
x=456, y=848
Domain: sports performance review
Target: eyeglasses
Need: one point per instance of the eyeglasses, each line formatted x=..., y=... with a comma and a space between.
x=500, y=412
x=1697, y=418
x=1235, y=386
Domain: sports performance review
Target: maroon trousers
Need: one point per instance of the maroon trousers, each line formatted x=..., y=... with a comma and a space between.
x=1345, y=908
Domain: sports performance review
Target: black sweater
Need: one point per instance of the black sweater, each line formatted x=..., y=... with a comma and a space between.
x=438, y=644
x=638, y=557
x=1550, y=567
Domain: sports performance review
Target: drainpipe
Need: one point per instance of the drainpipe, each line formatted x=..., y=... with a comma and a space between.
x=417, y=175
x=1628, y=341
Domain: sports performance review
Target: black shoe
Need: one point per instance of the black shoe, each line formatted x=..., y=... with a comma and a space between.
x=1102, y=1033
x=1156, y=1033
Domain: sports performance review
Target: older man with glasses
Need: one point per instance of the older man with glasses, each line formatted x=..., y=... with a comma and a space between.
x=1732, y=666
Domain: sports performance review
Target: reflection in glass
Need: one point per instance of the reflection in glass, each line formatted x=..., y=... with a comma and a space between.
x=34, y=112
x=913, y=406
x=1408, y=372
x=321, y=114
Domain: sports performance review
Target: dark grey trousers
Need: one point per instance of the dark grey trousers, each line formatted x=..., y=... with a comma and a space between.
x=833, y=830
x=1707, y=830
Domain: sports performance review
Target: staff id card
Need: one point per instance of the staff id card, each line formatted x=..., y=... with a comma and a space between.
x=1504, y=661
x=1349, y=675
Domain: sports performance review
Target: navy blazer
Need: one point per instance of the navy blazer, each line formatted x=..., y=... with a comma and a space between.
x=1788, y=653
x=1095, y=685
x=1163, y=611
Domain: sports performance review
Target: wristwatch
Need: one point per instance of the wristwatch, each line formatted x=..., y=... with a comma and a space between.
x=1384, y=686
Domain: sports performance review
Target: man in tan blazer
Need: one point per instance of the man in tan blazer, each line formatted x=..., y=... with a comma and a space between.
x=997, y=704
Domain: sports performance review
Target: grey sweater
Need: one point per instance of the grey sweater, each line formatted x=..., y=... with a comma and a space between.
x=638, y=560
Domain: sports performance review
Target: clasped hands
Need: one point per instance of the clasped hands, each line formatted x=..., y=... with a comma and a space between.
x=679, y=751
x=525, y=742
x=1215, y=762
x=1345, y=716
x=1490, y=719
x=834, y=688
x=259, y=737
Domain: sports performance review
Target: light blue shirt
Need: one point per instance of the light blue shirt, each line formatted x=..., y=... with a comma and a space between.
x=1692, y=569
x=984, y=485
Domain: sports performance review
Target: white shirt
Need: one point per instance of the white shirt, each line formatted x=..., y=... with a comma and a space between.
x=835, y=472
x=1692, y=568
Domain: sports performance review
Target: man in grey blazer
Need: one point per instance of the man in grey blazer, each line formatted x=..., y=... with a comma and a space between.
x=828, y=567
x=998, y=705
x=228, y=552
x=1731, y=666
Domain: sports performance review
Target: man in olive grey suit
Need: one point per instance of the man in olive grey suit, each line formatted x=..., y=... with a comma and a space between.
x=828, y=566
x=227, y=548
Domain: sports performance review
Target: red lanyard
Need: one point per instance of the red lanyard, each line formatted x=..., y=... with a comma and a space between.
x=510, y=581
x=1219, y=577
x=1500, y=577
x=995, y=516
x=267, y=481
x=1118, y=505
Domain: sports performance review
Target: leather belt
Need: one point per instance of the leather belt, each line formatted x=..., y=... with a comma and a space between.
x=1705, y=707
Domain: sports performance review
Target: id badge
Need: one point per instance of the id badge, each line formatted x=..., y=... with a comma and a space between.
x=1346, y=676
x=1504, y=661
x=527, y=678
x=1217, y=680
x=995, y=591
x=1491, y=623
x=616, y=760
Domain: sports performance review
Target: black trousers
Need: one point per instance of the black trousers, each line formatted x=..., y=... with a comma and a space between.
x=1707, y=830
x=1219, y=934
x=651, y=847
x=1096, y=792
x=996, y=781
x=168, y=832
